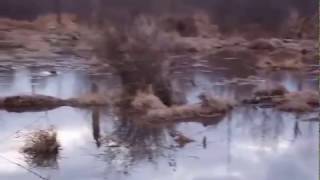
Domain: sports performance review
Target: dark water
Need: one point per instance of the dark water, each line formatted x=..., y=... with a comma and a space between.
x=248, y=144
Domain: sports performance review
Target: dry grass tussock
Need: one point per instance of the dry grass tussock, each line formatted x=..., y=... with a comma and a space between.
x=144, y=102
x=280, y=98
x=155, y=110
x=42, y=148
x=304, y=101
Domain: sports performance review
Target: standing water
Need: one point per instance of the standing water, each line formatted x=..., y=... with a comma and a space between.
x=249, y=143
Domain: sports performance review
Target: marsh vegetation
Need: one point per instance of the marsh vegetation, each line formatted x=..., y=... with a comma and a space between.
x=171, y=87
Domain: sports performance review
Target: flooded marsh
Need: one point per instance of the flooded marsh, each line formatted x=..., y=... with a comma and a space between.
x=97, y=143
x=110, y=92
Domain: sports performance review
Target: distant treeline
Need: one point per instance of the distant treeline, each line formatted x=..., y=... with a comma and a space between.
x=226, y=13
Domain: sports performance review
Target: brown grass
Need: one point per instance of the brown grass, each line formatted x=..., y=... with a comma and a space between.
x=278, y=97
x=304, y=101
x=144, y=102
x=42, y=148
x=44, y=22
x=6, y=23
x=154, y=110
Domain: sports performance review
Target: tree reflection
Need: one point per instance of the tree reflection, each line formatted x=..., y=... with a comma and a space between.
x=297, y=132
x=265, y=125
x=96, y=126
x=131, y=140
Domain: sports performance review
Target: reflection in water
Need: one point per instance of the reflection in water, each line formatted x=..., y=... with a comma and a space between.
x=276, y=145
x=139, y=152
x=96, y=118
x=96, y=126
x=297, y=131
x=142, y=140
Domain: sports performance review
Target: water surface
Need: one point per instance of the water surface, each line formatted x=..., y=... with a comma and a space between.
x=250, y=143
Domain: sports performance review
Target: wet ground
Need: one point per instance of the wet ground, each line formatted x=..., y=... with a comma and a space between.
x=250, y=143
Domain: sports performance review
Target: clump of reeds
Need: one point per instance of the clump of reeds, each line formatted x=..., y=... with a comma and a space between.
x=42, y=148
